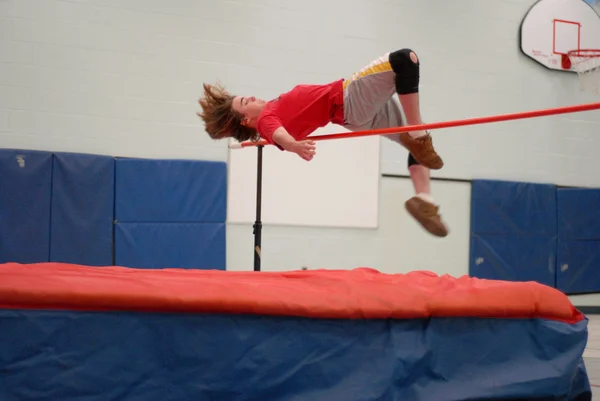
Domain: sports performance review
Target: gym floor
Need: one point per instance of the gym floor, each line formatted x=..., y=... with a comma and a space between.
x=592, y=354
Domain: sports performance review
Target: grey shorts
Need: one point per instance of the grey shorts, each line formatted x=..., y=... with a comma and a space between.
x=370, y=100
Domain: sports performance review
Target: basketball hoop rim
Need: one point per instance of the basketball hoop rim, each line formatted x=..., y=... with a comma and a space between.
x=586, y=63
x=584, y=53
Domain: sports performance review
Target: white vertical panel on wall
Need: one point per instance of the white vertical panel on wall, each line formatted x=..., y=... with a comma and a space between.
x=338, y=188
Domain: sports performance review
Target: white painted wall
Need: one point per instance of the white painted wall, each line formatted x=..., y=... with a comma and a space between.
x=585, y=300
x=121, y=77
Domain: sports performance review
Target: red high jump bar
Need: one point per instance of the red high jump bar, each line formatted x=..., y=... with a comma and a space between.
x=447, y=124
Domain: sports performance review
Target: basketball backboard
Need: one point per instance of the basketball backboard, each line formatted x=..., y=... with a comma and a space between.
x=552, y=28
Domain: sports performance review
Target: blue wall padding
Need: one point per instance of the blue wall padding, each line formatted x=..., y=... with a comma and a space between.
x=82, y=209
x=578, y=214
x=170, y=191
x=514, y=258
x=578, y=240
x=64, y=355
x=163, y=245
x=513, y=231
x=25, y=201
x=62, y=207
x=510, y=208
x=578, y=269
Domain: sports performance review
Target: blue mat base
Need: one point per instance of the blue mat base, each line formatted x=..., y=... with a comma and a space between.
x=48, y=355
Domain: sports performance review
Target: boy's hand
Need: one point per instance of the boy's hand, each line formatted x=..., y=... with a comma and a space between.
x=305, y=149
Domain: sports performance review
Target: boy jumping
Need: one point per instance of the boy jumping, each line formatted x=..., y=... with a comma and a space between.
x=364, y=101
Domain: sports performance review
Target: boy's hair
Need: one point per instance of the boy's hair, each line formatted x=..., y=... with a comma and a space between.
x=220, y=119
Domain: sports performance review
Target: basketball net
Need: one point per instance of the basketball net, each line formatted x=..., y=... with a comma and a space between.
x=586, y=63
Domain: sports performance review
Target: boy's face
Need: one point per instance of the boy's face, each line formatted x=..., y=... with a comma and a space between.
x=248, y=106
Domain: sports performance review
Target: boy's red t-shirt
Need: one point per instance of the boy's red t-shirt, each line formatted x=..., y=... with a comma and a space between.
x=302, y=110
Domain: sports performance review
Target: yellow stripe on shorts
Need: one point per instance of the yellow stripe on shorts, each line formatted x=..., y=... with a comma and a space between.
x=369, y=70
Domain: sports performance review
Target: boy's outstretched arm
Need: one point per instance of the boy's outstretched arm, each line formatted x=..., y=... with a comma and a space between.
x=304, y=149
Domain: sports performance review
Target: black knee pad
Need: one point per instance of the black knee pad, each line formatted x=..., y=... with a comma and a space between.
x=407, y=72
x=412, y=161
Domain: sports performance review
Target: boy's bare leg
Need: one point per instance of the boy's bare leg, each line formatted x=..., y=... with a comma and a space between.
x=421, y=181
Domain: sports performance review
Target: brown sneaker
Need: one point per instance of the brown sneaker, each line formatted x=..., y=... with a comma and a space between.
x=427, y=215
x=422, y=150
